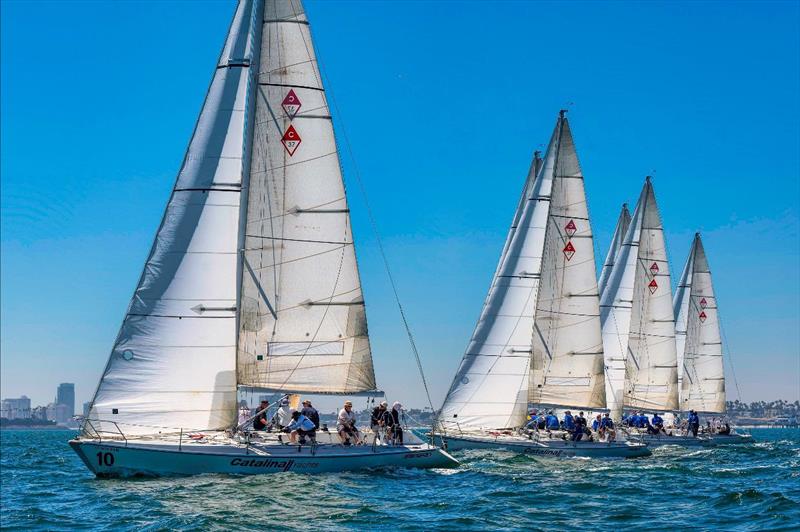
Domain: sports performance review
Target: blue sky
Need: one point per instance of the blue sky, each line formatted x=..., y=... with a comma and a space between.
x=444, y=104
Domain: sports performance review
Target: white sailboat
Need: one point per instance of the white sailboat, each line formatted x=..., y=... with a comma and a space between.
x=638, y=323
x=538, y=338
x=701, y=375
x=623, y=222
x=252, y=280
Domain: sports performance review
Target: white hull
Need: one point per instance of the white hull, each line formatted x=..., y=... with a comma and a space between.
x=660, y=440
x=553, y=448
x=111, y=458
x=730, y=439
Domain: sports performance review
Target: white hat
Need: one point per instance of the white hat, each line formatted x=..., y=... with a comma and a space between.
x=397, y=406
x=384, y=403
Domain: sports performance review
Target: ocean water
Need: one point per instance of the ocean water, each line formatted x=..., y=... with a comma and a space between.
x=755, y=487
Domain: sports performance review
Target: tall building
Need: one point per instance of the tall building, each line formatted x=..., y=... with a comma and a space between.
x=58, y=413
x=66, y=396
x=16, y=408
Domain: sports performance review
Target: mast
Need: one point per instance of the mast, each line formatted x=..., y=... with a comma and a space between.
x=700, y=347
x=623, y=222
x=637, y=318
x=303, y=325
x=173, y=363
x=490, y=388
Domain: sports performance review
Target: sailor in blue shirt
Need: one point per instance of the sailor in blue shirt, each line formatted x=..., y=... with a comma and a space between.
x=551, y=421
x=301, y=425
x=694, y=422
x=569, y=421
x=658, y=423
x=597, y=422
x=607, y=427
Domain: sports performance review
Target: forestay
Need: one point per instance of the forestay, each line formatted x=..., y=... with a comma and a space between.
x=302, y=324
x=173, y=362
x=698, y=339
x=637, y=317
x=623, y=222
x=567, y=360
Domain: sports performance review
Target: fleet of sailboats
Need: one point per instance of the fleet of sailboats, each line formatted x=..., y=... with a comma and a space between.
x=253, y=283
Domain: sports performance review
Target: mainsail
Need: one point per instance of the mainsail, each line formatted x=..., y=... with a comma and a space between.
x=637, y=317
x=616, y=242
x=567, y=360
x=701, y=373
x=302, y=324
x=173, y=363
x=491, y=387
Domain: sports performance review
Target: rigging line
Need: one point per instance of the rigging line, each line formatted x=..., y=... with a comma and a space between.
x=374, y=225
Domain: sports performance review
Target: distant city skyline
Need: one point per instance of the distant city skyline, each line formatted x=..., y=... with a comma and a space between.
x=443, y=134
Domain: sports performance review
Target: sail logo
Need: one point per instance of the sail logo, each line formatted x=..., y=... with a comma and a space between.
x=570, y=228
x=291, y=140
x=654, y=268
x=653, y=286
x=569, y=250
x=702, y=316
x=291, y=104
x=703, y=303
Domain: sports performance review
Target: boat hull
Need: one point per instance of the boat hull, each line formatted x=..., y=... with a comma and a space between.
x=731, y=439
x=555, y=448
x=126, y=459
x=661, y=440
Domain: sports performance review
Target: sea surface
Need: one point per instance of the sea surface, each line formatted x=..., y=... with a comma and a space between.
x=45, y=486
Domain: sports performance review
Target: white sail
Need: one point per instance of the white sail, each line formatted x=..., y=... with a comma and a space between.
x=490, y=388
x=680, y=306
x=637, y=318
x=616, y=242
x=567, y=361
x=302, y=324
x=698, y=337
x=173, y=362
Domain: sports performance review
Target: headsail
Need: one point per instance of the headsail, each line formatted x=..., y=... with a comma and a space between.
x=173, y=362
x=302, y=325
x=697, y=337
x=567, y=361
x=637, y=317
x=623, y=222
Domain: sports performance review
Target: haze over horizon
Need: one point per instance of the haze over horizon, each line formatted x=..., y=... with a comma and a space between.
x=442, y=122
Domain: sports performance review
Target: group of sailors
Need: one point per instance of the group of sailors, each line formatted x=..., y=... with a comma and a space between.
x=576, y=426
x=603, y=425
x=385, y=423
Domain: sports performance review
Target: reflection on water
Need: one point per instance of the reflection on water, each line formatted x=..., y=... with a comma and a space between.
x=750, y=487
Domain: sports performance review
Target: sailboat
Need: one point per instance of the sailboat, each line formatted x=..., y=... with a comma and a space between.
x=701, y=376
x=638, y=323
x=623, y=222
x=538, y=337
x=252, y=281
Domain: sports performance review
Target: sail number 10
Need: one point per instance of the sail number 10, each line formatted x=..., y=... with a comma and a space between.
x=106, y=459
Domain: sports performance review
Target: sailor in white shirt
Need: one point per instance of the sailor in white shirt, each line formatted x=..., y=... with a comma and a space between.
x=346, y=424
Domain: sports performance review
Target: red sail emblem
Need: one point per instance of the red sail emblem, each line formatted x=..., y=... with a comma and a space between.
x=654, y=268
x=653, y=286
x=291, y=104
x=291, y=140
x=569, y=250
x=570, y=228
x=703, y=316
x=703, y=303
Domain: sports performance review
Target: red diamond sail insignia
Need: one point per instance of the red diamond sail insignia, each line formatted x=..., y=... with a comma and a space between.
x=570, y=228
x=569, y=250
x=291, y=140
x=653, y=286
x=654, y=268
x=291, y=104
x=703, y=303
x=703, y=316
